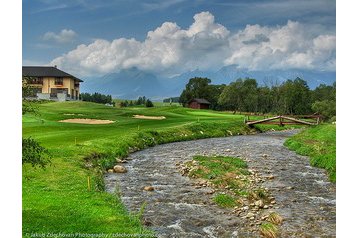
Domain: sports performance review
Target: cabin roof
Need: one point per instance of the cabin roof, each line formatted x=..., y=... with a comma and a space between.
x=200, y=100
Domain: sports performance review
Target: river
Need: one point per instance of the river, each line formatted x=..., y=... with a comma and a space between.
x=176, y=208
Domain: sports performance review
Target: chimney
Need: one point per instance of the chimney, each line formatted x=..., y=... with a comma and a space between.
x=55, y=66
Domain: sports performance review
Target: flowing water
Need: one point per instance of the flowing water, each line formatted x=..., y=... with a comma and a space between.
x=304, y=196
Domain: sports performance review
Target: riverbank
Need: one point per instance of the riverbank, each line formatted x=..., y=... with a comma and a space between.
x=303, y=195
x=319, y=143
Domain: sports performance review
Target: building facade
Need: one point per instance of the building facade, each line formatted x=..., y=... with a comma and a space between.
x=50, y=83
x=199, y=103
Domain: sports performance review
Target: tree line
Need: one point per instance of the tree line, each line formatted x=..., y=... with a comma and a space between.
x=97, y=98
x=140, y=101
x=292, y=97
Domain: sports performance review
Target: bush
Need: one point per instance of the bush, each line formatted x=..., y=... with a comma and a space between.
x=33, y=153
x=149, y=103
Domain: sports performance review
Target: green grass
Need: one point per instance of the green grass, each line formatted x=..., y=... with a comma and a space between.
x=268, y=230
x=225, y=200
x=228, y=174
x=319, y=143
x=57, y=200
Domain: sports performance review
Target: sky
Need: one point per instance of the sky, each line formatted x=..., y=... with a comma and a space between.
x=93, y=38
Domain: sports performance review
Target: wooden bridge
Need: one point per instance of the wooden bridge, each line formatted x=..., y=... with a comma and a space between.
x=286, y=120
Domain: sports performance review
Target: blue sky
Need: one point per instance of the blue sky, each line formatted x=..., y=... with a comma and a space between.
x=90, y=36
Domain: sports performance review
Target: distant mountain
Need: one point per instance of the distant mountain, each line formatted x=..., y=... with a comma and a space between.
x=132, y=83
x=126, y=84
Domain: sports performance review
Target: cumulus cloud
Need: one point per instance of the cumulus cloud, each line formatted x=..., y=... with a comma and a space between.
x=169, y=49
x=64, y=36
x=293, y=45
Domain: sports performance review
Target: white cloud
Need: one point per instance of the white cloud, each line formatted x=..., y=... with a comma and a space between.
x=169, y=49
x=293, y=45
x=65, y=36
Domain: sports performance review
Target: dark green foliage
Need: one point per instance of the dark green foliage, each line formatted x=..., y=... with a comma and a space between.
x=326, y=108
x=241, y=95
x=96, y=97
x=149, y=103
x=324, y=92
x=141, y=101
x=195, y=88
x=296, y=97
x=201, y=88
x=33, y=153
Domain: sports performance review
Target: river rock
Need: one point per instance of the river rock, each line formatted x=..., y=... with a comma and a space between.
x=259, y=203
x=110, y=171
x=119, y=169
x=148, y=188
x=250, y=214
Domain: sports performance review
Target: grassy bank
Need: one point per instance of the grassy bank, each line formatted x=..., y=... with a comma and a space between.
x=319, y=143
x=57, y=199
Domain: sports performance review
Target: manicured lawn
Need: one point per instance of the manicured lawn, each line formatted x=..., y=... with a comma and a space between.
x=319, y=143
x=57, y=199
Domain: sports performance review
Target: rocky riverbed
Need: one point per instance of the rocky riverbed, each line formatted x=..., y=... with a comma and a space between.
x=176, y=207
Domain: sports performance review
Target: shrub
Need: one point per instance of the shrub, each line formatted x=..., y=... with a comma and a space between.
x=33, y=153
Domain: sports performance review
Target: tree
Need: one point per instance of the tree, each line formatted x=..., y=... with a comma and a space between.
x=149, y=103
x=326, y=108
x=195, y=88
x=230, y=98
x=32, y=152
x=97, y=98
x=241, y=95
x=296, y=97
x=324, y=92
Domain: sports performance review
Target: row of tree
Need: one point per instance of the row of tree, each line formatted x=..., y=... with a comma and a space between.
x=140, y=101
x=96, y=97
x=245, y=95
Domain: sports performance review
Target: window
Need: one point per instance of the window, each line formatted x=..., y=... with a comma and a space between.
x=35, y=80
x=58, y=81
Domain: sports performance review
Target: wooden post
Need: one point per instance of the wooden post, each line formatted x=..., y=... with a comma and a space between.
x=89, y=183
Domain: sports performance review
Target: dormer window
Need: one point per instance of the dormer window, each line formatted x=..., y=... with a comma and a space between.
x=58, y=81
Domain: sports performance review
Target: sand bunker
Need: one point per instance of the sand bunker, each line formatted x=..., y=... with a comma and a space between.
x=87, y=121
x=73, y=114
x=149, y=117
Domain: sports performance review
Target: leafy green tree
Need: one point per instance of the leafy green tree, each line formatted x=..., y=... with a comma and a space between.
x=296, y=97
x=326, y=108
x=264, y=100
x=96, y=97
x=195, y=88
x=241, y=95
x=230, y=98
x=149, y=103
x=324, y=92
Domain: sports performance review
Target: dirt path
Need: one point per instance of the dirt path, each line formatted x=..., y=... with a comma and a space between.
x=176, y=208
